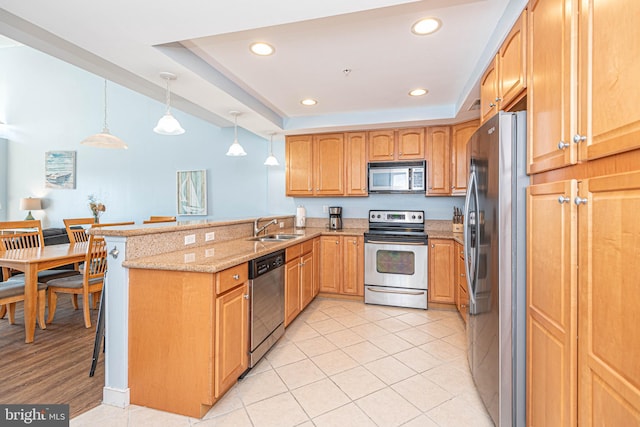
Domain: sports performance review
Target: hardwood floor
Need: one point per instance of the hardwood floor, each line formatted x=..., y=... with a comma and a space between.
x=55, y=368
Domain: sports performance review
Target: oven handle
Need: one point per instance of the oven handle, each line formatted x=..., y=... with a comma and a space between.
x=396, y=292
x=396, y=243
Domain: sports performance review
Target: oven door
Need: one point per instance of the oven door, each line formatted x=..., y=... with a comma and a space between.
x=396, y=264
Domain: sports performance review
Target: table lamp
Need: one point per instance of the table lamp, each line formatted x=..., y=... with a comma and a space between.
x=30, y=204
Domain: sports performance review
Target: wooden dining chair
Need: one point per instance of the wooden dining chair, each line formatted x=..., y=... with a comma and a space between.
x=77, y=228
x=153, y=219
x=19, y=235
x=90, y=282
x=12, y=291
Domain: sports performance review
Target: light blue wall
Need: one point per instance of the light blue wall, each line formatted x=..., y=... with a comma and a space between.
x=51, y=105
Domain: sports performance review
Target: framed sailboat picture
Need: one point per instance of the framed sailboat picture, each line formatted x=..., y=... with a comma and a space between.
x=192, y=192
x=60, y=169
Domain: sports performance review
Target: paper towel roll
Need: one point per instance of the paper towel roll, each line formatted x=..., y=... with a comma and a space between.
x=301, y=216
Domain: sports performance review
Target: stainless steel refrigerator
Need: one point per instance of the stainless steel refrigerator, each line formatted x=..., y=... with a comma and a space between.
x=495, y=261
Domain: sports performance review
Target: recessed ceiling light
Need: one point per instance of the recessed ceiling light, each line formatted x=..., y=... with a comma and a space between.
x=418, y=92
x=262, y=48
x=426, y=26
x=308, y=102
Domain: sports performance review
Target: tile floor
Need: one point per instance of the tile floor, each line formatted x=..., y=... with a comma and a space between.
x=343, y=363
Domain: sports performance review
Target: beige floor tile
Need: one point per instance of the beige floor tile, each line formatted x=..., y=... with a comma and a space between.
x=458, y=412
x=312, y=316
x=262, y=366
x=451, y=379
x=418, y=360
x=369, y=330
x=422, y=421
x=415, y=336
x=443, y=350
x=300, y=373
x=358, y=382
x=421, y=392
x=437, y=329
x=459, y=339
x=306, y=424
x=336, y=311
x=278, y=411
x=365, y=352
x=334, y=362
x=284, y=354
x=315, y=346
x=344, y=338
x=392, y=324
x=228, y=403
x=414, y=318
x=327, y=326
x=387, y=408
x=259, y=387
x=237, y=418
x=390, y=343
x=345, y=416
x=300, y=331
x=351, y=320
x=320, y=397
x=146, y=417
x=103, y=415
x=390, y=370
x=372, y=314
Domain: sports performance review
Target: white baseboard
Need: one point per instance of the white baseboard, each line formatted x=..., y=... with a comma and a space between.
x=116, y=397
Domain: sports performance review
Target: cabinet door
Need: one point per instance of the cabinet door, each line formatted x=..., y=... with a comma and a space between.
x=551, y=100
x=329, y=164
x=299, y=160
x=609, y=345
x=459, y=162
x=551, y=304
x=512, y=62
x=441, y=281
x=353, y=262
x=291, y=290
x=231, y=338
x=438, y=160
x=489, y=91
x=306, y=280
x=381, y=145
x=316, y=266
x=462, y=296
x=356, y=163
x=330, y=264
x=411, y=144
x=609, y=70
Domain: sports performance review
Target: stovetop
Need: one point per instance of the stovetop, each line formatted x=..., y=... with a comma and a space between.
x=396, y=225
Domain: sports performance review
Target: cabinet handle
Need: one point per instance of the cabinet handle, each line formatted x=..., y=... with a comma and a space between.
x=580, y=201
x=579, y=138
x=246, y=296
x=399, y=154
x=562, y=145
x=564, y=199
x=463, y=305
x=433, y=246
x=461, y=274
x=491, y=104
x=354, y=242
x=337, y=242
x=498, y=99
x=236, y=276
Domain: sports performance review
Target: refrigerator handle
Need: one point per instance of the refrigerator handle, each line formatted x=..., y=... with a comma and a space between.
x=471, y=221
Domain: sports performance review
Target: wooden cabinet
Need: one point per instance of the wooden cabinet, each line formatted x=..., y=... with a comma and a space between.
x=299, y=279
x=299, y=165
x=356, y=163
x=441, y=270
x=315, y=165
x=460, y=135
x=505, y=79
x=438, y=160
x=342, y=265
x=552, y=304
x=187, y=341
x=402, y=144
x=462, y=295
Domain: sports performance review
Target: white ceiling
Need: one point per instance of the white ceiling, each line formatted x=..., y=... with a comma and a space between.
x=206, y=44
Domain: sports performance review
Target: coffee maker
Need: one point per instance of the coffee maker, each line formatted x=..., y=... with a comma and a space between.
x=335, y=218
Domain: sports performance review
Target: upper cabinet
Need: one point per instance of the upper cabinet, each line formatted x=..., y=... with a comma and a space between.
x=356, y=163
x=460, y=135
x=315, y=165
x=438, y=160
x=582, y=100
x=505, y=79
x=402, y=144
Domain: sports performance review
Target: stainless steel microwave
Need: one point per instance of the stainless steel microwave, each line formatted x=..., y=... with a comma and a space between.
x=397, y=177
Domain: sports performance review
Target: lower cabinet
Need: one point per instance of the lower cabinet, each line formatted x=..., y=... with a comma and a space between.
x=342, y=265
x=460, y=285
x=441, y=267
x=299, y=279
x=187, y=337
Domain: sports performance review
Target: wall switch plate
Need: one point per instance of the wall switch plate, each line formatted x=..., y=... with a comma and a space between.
x=325, y=209
x=210, y=236
x=282, y=225
x=190, y=239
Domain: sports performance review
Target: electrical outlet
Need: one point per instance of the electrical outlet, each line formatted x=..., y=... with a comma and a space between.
x=189, y=257
x=282, y=225
x=210, y=236
x=190, y=239
x=325, y=209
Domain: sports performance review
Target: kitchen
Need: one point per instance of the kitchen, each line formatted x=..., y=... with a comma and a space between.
x=68, y=205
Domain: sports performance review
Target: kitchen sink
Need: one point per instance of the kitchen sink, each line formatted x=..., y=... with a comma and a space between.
x=275, y=237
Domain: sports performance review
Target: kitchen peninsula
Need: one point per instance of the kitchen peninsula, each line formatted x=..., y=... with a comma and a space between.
x=176, y=308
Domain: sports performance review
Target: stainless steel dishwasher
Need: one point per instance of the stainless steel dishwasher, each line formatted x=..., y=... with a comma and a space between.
x=266, y=312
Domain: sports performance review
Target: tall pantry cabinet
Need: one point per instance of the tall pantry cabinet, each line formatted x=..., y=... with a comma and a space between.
x=583, y=249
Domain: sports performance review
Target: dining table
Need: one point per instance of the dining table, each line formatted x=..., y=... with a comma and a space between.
x=32, y=260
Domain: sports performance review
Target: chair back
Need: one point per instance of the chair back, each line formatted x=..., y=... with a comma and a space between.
x=95, y=264
x=153, y=219
x=21, y=234
x=76, y=231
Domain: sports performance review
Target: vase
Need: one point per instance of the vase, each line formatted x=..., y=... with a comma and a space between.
x=96, y=218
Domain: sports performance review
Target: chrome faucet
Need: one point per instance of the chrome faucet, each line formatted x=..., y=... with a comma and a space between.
x=257, y=230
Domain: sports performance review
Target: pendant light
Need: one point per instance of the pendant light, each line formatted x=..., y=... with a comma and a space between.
x=104, y=139
x=168, y=125
x=271, y=160
x=235, y=149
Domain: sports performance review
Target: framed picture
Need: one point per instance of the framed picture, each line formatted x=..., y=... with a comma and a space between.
x=60, y=169
x=192, y=192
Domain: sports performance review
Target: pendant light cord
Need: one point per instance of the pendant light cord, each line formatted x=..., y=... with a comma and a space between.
x=168, y=97
x=105, y=106
x=235, y=127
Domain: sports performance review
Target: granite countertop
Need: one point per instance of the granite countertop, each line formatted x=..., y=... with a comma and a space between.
x=222, y=255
